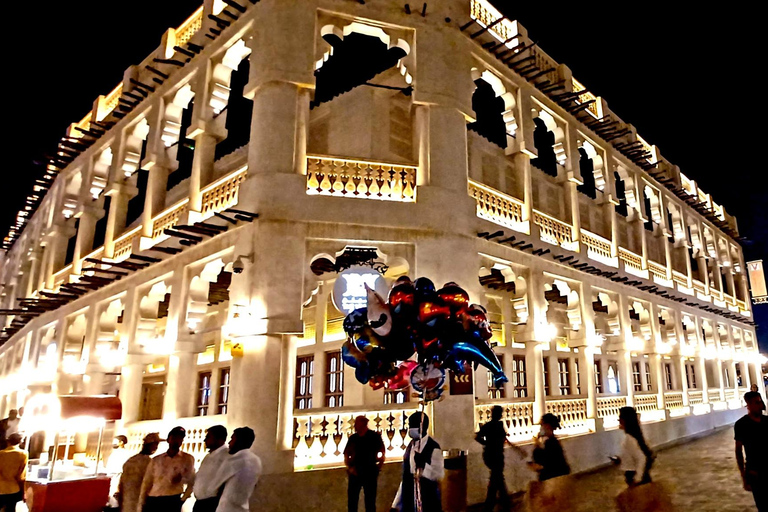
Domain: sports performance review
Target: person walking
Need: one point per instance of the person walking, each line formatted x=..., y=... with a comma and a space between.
x=493, y=437
x=206, y=495
x=238, y=475
x=548, y=456
x=13, y=473
x=751, y=438
x=169, y=478
x=129, y=487
x=636, y=457
x=363, y=456
x=114, y=468
x=422, y=463
x=8, y=426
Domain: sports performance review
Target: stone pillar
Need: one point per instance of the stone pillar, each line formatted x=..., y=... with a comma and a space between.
x=683, y=379
x=625, y=375
x=587, y=367
x=701, y=368
x=535, y=361
x=154, y=201
x=131, y=378
x=202, y=168
x=523, y=161
x=658, y=370
x=56, y=251
x=118, y=210
x=719, y=382
x=85, y=232
x=35, y=263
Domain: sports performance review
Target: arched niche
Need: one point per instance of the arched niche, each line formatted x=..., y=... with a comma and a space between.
x=549, y=141
x=502, y=279
x=134, y=147
x=146, y=328
x=606, y=311
x=109, y=350
x=100, y=173
x=75, y=355
x=221, y=76
x=494, y=109
x=199, y=291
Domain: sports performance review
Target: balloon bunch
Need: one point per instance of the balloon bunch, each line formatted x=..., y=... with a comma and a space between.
x=440, y=326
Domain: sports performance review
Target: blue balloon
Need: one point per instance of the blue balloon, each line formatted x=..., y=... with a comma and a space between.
x=356, y=321
x=424, y=287
x=363, y=374
x=348, y=357
x=477, y=351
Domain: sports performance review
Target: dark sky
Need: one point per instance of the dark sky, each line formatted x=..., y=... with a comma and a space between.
x=688, y=80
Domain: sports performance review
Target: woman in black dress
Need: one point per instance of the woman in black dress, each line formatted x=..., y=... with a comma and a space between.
x=548, y=457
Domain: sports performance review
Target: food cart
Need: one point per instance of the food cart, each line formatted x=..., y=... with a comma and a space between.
x=61, y=480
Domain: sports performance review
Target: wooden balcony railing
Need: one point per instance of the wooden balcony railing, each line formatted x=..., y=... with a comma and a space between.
x=496, y=206
x=695, y=397
x=673, y=400
x=646, y=403
x=610, y=405
x=186, y=30
x=517, y=416
x=222, y=193
x=124, y=244
x=713, y=394
x=657, y=270
x=552, y=230
x=630, y=259
x=572, y=413
x=344, y=177
x=680, y=278
x=319, y=437
x=598, y=248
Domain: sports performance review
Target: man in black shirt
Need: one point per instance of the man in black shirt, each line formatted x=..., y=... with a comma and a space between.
x=751, y=435
x=493, y=437
x=364, y=456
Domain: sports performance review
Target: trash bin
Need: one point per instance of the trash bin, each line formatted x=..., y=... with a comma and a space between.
x=454, y=486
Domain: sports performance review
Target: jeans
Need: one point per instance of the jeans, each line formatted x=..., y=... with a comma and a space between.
x=206, y=505
x=8, y=501
x=497, y=486
x=367, y=482
x=163, y=504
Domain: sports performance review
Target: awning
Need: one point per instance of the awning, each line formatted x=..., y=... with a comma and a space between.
x=103, y=406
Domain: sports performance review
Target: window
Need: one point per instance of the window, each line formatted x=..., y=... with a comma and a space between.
x=493, y=391
x=598, y=379
x=690, y=376
x=203, y=393
x=636, y=377
x=648, y=385
x=668, y=375
x=564, y=378
x=546, y=376
x=397, y=397
x=519, y=378
x=334, y=379
x=305, y=369
x=223, y=390
x=613, y=377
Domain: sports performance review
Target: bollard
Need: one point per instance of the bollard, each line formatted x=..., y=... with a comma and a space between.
x=454, y=485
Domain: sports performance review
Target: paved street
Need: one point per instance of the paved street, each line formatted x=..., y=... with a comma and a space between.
x=701, y=476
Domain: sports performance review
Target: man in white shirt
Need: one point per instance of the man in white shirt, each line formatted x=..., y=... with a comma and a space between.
x=114, y=468
x=169, y=478
x=206, y=494
x=8, y=426
x=239, y=473
x=422, y=462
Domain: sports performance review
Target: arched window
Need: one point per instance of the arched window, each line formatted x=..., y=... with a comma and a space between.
x=489, y=110
x=621, y=195
x=587, y=168
x=544, y=141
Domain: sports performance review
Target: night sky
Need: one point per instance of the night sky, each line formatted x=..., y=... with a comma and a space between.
x=688, y=80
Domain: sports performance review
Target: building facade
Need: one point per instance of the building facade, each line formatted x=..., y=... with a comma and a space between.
x=185, y=243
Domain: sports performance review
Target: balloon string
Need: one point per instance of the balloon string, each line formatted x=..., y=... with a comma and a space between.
x=417, y=472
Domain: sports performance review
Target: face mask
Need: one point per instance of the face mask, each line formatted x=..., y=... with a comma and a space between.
x=415, y=433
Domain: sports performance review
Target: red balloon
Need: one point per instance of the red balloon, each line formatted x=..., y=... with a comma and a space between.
x=429, y=310
x=455, y=297
x=402, y=378
x=475, y=319
x=402, y=292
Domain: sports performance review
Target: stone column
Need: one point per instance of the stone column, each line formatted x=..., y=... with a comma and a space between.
x=120, y=194
x=523, y=161
x=701, y=368
x=131, y=378
x=35, y=263
x=587, y=367
x=661, y=387
x=719, y=378
x=683, y=379
x=535, y=361
x=56, y=251
x=85, y=232
x=625, y=375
